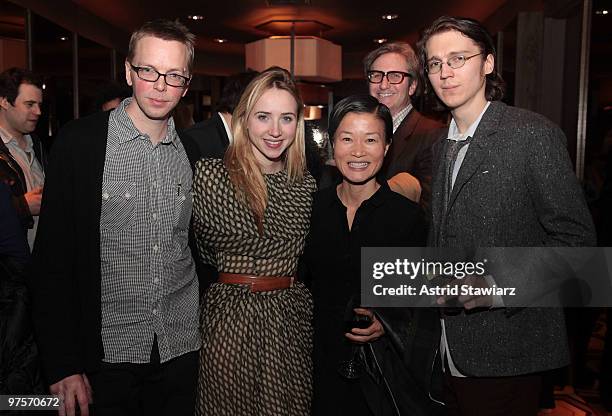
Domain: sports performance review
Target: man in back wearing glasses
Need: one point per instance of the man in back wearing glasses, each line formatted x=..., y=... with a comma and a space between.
x=391, y=71
x=114, y=287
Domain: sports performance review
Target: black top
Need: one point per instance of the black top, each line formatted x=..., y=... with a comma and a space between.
x=207, y=138
x=332, y=261
x=387, y=219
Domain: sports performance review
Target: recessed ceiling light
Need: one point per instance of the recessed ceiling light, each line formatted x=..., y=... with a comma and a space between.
x=195, y=17
x=63, y=38
x=220, y=40
x=602, y=12
x=391, y=16
x=380, y=40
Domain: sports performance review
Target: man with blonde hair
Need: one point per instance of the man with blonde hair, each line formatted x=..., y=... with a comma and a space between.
x=115, y=293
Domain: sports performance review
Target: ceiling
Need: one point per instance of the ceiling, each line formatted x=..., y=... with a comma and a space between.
x=353, y=24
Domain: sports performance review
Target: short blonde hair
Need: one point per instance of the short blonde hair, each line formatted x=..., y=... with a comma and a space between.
x=167, y=30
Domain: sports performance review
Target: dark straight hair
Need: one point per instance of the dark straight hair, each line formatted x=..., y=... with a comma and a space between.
x=360, y=103
x=472, y=29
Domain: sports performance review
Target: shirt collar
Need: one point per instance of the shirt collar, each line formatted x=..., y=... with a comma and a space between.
x=128, y=131
x=400, y=116
x=7, y=138
x=228, y=130
x=453, y=130
x=376, y=199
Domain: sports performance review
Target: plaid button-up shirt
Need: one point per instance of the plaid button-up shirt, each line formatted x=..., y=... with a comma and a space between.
x=149, y=284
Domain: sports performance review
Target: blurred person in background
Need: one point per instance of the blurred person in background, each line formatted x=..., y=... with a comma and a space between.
x=211, y=137
x=22, y=154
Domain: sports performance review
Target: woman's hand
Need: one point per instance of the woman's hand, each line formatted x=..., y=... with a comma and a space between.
x=369, y=334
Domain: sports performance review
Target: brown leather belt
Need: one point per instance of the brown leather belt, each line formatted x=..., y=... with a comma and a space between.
x=257, y=283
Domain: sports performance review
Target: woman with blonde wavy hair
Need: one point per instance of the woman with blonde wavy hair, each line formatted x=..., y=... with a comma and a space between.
x=251, y=216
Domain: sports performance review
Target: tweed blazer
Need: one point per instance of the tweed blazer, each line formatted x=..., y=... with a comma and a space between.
x=516, y=188
x=411, y=151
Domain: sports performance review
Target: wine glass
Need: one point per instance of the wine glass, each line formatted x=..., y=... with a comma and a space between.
x=352, y=368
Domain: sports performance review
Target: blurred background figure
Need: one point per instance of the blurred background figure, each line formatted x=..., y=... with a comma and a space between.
x=212, y=137
x=110, y=96
x=183, y=115
x=21, y=152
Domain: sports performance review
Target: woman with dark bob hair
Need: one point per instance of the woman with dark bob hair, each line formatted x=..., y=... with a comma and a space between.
x=379, y=369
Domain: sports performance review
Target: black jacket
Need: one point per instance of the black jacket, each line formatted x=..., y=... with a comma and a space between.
x=207, y=138
x=19, y=365
x=12, y=175
x=411, y=151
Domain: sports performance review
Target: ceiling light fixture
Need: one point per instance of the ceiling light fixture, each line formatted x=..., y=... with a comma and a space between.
x=380, y=40
x=602, y=12
x=195, y=17
x=63, y=38
x=220, y=40
x=391, y=16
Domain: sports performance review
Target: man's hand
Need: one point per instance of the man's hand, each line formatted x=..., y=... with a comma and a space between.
x=472, y=299
x=407, y=185
x=369, y=334
x=73, y=391
x=33, y=199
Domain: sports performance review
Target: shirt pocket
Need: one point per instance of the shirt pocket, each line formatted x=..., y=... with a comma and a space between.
x=118, y=205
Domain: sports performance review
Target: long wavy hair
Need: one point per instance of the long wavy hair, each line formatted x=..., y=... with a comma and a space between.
x=240, y=161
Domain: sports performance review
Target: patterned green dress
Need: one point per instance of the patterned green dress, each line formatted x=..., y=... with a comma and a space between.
x=256, y=347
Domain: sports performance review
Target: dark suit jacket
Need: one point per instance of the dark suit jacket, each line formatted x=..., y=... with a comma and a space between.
x=207, y=138
x=411, y=151
x=516, y=188
x=65, y=278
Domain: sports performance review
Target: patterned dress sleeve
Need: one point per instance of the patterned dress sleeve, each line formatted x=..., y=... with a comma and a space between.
x=204, y=188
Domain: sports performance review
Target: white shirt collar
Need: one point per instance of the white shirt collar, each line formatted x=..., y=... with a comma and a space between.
x=7, y=138
x=453, y=130
x=228, y=130
x=400, y=116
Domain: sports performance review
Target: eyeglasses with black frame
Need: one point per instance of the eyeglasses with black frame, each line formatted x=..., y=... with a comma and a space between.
x=148, y=74
x=455, y=62
x=393, y=77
